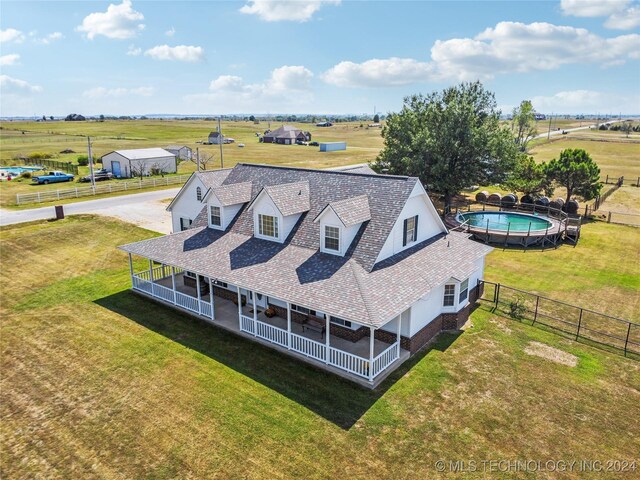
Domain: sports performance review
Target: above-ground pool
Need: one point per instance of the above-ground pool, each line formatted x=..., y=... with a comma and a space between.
x=15, y=171
x=505, y=221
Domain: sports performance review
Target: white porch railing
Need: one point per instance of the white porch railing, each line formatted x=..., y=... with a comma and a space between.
x=349, y=362
x=385, y=359
x=272, y=334
x=158, y=273
x=187, y=302
x=247, y=324
x=308, y=347
x=163, y=292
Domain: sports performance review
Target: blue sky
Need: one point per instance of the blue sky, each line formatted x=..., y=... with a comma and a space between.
x=313, y=56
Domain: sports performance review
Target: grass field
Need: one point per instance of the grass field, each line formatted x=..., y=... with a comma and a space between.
x=98, y=382
x=363, y=144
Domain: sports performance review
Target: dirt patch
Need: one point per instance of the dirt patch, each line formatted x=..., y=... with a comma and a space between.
x=550, y=353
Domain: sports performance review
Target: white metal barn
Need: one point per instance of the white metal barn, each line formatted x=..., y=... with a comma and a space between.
x=139, y=162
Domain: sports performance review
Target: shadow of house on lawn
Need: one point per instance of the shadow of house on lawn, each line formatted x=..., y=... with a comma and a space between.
x=333, y=398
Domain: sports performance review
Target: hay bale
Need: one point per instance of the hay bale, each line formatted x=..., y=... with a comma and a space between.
x=494, y=198
x=527, y=200
x=542, y=201
x=572, y=207
x=558, y=203
x=482, y=196
x=509, y=201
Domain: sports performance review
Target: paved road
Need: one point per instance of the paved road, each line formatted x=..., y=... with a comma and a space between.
x=569, y=130
x=144, y=209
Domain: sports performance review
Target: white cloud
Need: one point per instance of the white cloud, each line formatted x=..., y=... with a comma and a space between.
x=171, y=32
x=287, y=87
x=592, y=8
x=181, y=53
x=623, y=14
x=11, y=35
x=378, y=73
x=290, y=10
x=14, y=85
x=583, y=101
x=626, y=20
x=517, y=47
x=52, y=37
x=11, y=59
x=133, y=51
x=102, y=92
x=119, y=22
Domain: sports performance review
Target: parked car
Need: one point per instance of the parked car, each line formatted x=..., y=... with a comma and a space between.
x=98, y=175
x=314, y=144
x=52, y=177
x=241, y=145
x=300, y=142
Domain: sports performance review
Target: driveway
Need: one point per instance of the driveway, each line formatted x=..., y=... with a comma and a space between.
x=146, y=210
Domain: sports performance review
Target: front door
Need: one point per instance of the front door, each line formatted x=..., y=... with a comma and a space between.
x=115, y=168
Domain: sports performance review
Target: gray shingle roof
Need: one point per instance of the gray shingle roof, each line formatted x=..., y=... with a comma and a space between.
x=213, y=178
x=285, y=131
x=336, y=285
x=290, y=198
x=358, y=169
x=233, y=193
x=386, y=194
x=352, y=211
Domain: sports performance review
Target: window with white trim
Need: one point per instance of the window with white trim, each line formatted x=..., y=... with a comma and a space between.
x=185, y=223
x=199, y=194
x=214, y=215
x=464, y=291
x=449, y=295
x=268, y=226
x=331, y=238
x=299, y=309
x=339, y=321
x=410, y=233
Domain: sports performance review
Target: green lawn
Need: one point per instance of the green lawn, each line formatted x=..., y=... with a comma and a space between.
x=98, y=382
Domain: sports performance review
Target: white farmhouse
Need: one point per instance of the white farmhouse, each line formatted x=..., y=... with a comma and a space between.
x=182, y=152
x=349, y=270
x=139, y=162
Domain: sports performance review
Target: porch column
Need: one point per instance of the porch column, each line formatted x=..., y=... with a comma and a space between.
x=131, y=269
x=371, y=341
x=288, y=326
x=398, y=335
x=239, y=308
x=213, y=312
x=198, y=289
x=151, y=270
x=255, y=314
x=173, y=283
x=326, y=341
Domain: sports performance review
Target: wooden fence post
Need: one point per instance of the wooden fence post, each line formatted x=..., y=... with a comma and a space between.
x=626, y=342
x=497, y=294
x=579, y=324
x=535, y=314
x=609, y=218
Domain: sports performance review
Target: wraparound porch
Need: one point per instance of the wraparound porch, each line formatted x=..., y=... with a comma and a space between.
x=366, y=361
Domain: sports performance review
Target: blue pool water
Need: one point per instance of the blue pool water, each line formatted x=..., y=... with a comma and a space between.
x=15, y=171
x=503, y=221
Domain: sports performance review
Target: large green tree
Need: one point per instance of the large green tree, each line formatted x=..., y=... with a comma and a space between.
x=576, y=171
x=450, y=140
x=527, y=176
x=523, y=124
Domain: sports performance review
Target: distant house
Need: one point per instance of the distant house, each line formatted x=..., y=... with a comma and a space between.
x=324, y=124
x=215, y=138
x=139, y=162
x=540, y=116
x=181, y=151
x=286, y=135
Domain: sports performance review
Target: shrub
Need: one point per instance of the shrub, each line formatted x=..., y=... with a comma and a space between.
x=25, y=174
x=517, y=308
x=83, y=160
x=39, y=155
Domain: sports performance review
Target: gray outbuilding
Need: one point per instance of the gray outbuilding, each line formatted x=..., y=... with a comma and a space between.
x=139, y=162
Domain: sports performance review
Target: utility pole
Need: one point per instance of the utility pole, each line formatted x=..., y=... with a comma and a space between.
x=198, y=159
x=221, y=140
x=93, y=180
x=549, y=133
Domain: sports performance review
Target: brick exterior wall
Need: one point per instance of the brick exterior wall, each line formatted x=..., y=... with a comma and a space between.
x=227, y=294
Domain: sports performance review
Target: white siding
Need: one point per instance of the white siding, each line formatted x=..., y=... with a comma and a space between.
x=139, y=167
x=429, y=224
x=265, y=206
x=187, y=205
x=227, y=213
x=347, y=234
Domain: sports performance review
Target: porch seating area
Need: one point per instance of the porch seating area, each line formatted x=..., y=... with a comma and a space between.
x=367, y=361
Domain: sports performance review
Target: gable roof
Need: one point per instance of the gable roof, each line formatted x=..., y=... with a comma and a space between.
x=285, y=131
x=210, y=179
x=350, y=211
x=143, y=153
x=214, y=134
x=231, y=194
x=289, y=198
x=175, y=147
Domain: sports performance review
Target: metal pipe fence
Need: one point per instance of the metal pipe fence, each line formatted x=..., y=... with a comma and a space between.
x=579, y=323
x=111, y=186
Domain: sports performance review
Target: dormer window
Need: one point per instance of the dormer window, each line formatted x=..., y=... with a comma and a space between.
x=332, y=238
x=410, y=233
x=268, y=226
x=215, y=217
x=199, y=194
